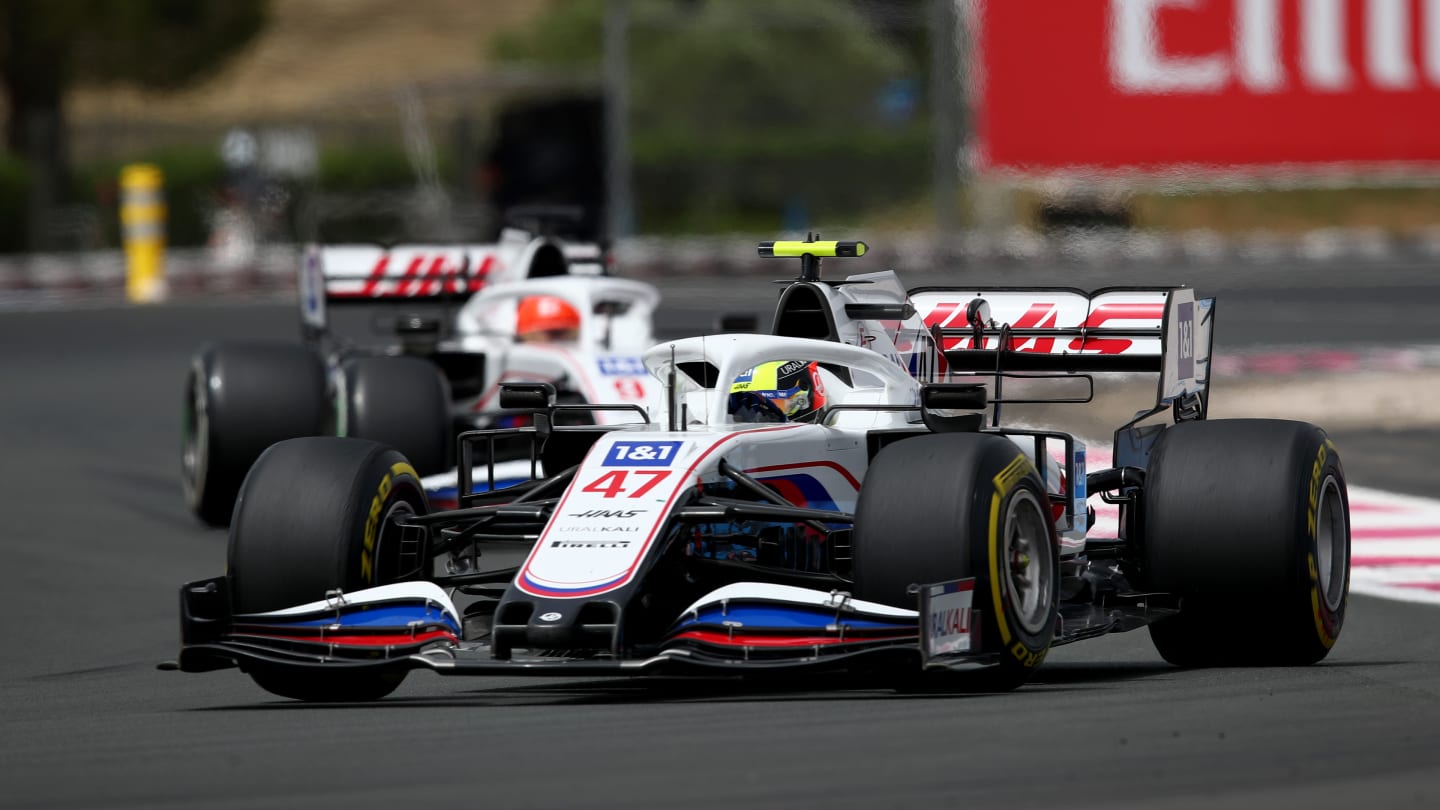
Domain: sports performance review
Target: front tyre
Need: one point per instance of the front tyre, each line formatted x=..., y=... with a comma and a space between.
x=1248, y=521
x=951, y=506
x=315, y=515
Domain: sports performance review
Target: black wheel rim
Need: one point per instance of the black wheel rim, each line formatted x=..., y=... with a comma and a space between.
x=195, y=439
x=1332, y=549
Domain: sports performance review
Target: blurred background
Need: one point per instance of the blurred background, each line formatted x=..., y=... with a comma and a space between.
x=948, y=130
x=1281, y=155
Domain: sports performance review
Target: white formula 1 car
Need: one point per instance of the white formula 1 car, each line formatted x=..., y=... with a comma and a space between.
x=440, y=371
x=842, y=494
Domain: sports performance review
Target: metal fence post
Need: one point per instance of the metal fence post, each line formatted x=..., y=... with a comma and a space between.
x=620, y=210
x=945, y=92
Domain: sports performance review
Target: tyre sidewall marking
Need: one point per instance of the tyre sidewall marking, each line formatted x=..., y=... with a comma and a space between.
x=372, y=518
x=1314, y=491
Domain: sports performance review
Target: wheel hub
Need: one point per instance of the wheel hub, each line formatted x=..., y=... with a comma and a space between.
x=1019, y=562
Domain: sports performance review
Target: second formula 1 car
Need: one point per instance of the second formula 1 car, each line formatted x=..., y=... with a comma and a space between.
x=471, y=316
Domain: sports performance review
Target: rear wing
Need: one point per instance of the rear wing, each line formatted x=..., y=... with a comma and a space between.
x=372, y=274
x=1065, y=330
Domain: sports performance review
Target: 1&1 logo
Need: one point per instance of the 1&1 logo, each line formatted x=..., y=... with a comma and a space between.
x=621, y=366
x=641, y=454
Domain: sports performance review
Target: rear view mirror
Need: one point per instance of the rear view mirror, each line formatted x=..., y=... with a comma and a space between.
x=527, y=396
x=880, y=312
x=953, y=397
x=419, y=334
x=938, y=401
x=611, y=308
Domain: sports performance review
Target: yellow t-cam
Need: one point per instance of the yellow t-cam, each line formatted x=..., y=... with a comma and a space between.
x=820, y=250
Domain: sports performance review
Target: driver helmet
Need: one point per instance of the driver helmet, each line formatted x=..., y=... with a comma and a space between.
x=779, y=391
x=546, y=319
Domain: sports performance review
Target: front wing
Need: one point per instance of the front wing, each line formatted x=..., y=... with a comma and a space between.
x=745, y=627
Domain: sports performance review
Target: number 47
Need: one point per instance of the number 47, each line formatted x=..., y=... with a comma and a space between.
x=612, y=484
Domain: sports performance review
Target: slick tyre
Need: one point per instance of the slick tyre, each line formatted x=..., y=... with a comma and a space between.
x=239, y=400
x=958, y=505
x=315, y=515
x=1247, y=521
x=403, y=402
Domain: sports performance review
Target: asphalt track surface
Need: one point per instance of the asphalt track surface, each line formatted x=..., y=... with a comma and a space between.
x=96, y=542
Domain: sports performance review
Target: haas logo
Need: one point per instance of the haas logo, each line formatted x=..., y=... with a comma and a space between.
x=608, y=513
x=1046, y=315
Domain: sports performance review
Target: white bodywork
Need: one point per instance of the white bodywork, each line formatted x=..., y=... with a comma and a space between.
x=876, y=380
x=611, y=515
x=603, y=366
x=366, y=272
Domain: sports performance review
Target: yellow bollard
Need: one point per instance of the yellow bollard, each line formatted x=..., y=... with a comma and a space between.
x=142, y=222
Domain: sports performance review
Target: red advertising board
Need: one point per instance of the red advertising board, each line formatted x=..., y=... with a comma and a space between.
x=1106, y=85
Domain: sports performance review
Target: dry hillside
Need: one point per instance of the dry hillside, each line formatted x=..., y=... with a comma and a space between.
x=323, y=54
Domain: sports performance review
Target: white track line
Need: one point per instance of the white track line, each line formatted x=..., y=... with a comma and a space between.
x=1394, y=539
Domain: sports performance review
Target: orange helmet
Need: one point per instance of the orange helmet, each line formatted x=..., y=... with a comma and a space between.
x=545, y=313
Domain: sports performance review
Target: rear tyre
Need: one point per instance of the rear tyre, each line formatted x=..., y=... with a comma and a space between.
x=956, y=505
x=1247, y=520
x=315, y=515
x=403, y=402
x=239, y=400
